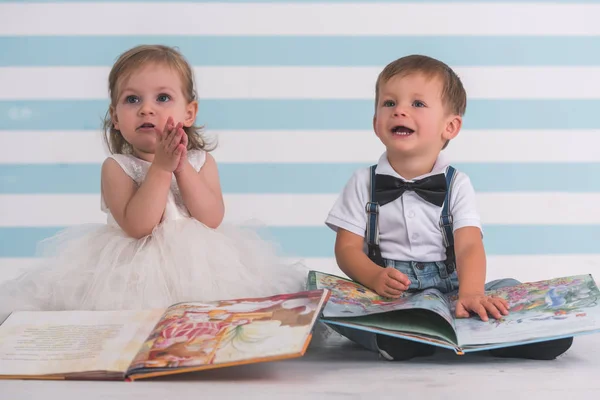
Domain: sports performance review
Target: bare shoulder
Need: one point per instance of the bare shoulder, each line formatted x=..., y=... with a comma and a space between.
x=210, y=160
x=116, y=185
x=112, y=170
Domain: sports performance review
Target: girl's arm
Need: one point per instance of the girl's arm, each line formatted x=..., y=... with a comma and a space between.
x=136, y=210
x=201, y=191
x=139, y=210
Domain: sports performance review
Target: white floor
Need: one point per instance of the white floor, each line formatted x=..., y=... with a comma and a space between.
x=339, y=369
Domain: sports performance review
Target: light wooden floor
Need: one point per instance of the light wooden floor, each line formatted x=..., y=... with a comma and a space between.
x=338, y=369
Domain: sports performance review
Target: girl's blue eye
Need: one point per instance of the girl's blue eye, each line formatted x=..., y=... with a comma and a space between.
x=163, y=97
x=131, y=99
x=418, y=103
x=389, y=103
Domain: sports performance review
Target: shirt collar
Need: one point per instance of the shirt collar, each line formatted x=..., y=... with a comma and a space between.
x=384, y=167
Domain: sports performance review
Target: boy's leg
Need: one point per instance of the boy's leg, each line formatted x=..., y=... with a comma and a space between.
x=535, y=351
x=422, y=275
x=390, y=348
x=396, y=349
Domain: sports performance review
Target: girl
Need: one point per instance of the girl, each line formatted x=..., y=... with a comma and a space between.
x=164, y=241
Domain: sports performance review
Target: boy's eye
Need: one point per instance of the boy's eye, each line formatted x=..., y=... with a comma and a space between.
x=131, y=99
x=389, y=103
x=163, y=97
x=418, y=103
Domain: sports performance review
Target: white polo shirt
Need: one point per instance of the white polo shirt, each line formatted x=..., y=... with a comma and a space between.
x=409, y=227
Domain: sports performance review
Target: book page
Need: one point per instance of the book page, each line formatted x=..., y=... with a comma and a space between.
x=417, y=322
x=228, y=332
x=350, y=299
x=34, y=343
x=544, y=309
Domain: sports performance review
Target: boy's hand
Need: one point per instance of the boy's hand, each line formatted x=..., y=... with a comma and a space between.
x=390, y=282
x=481, y=305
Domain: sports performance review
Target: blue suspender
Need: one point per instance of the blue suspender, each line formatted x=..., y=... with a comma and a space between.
x=446, y=222
x=372, y=231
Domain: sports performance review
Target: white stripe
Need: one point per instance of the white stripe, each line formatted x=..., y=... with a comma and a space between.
x=523, y=268
x=299, y=19
x=308, y=210
x=63, y=83
x=318, y=146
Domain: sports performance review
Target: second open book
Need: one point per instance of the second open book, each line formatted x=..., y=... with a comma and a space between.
x=132, y=345
x=539, y=311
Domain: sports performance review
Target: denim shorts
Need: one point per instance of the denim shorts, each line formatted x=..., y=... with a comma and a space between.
x=425, y=275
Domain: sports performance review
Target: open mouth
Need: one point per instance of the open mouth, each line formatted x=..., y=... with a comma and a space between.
x=146, y=125
x=402, y=130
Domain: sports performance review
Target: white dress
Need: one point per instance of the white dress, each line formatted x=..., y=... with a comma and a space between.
x=99, y=267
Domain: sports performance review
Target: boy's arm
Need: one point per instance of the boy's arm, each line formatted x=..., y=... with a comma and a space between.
x=352, y=260
x=201, y=192
x=471, y=269
x=470, y=259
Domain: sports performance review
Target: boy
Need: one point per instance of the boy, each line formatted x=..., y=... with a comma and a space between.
x=419, y=218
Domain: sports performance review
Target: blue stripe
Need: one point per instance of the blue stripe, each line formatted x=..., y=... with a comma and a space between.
x=290, y=1
x=318, y=241
x=307, y=178
x=308, y=50
x=305, y=114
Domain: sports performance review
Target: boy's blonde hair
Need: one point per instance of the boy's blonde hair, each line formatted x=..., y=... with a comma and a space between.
x=454, y=96
x=129, y=62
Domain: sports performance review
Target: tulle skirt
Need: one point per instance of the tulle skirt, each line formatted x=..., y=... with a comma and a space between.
x=99, y=267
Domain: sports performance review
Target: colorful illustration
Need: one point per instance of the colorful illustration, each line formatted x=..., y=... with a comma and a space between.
x=558, y=305
x=354, y=297
x=195, y=334
x=350, y=299
x=549, y=308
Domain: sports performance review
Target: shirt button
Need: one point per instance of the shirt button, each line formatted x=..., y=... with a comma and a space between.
x=411, y=214
x=415, y=236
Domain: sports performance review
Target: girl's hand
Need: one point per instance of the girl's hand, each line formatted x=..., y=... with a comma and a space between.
x=168, y=147
x=183, y=157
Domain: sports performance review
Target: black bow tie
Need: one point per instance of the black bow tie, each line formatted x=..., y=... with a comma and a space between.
x=432, y=189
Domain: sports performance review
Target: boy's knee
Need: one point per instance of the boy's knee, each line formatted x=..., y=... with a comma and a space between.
x=501, y=283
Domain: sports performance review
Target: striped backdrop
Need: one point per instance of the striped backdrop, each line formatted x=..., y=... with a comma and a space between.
x=287, y=88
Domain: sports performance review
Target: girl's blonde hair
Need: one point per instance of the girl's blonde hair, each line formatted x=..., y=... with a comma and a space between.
x=128, y=63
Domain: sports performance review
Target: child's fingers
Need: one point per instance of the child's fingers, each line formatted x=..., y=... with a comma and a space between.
x=399, y=276
x=491, y=309
x=461, y=311
x=481, y=310
x=184, y=137
x=179, y=150
x=175, y=138
x=500, y=304
x=168, y=128
x=391, y=293
x=395, y=285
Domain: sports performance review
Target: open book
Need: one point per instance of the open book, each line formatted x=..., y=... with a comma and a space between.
x=539, y=311
x=142, y=344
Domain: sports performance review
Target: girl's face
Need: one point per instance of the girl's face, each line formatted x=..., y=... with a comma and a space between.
x=146, y=100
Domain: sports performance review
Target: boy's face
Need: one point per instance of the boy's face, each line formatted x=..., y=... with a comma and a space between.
x=411, y=119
